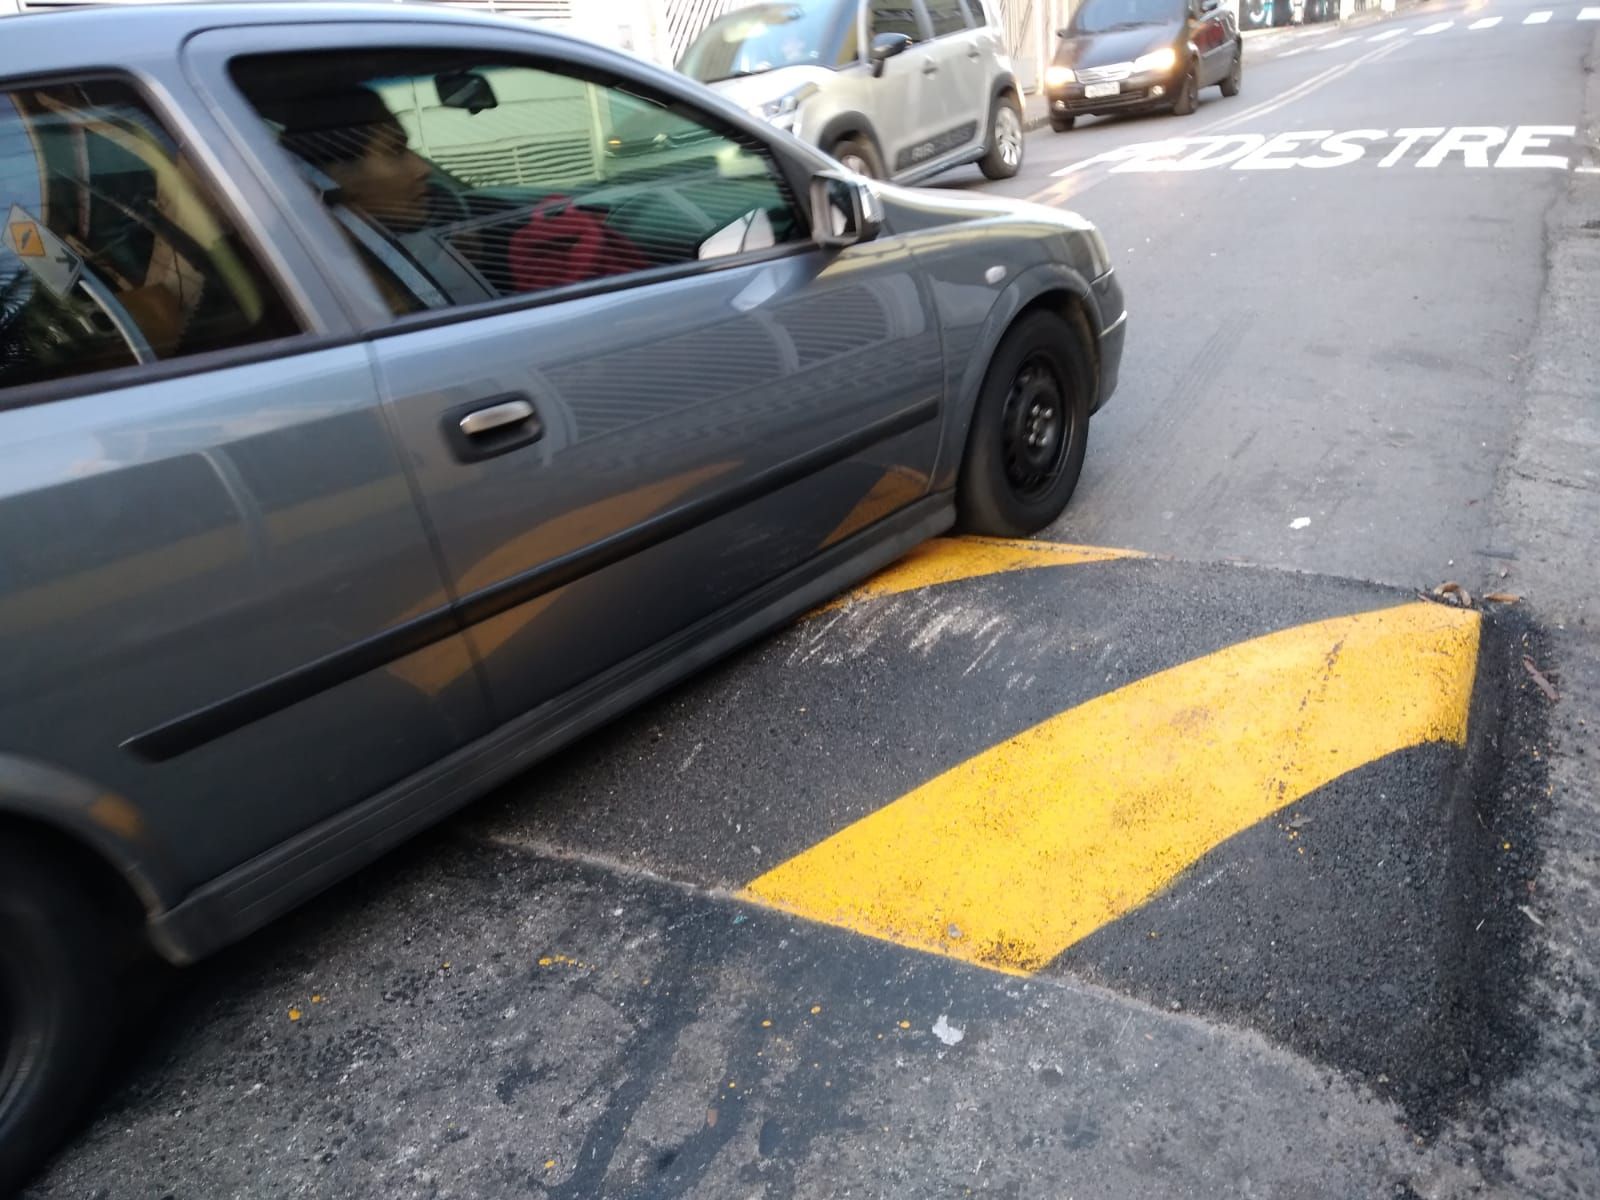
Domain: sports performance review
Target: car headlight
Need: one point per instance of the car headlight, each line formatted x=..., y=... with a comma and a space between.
x=1057, y=76
x=783, y=111
x=1163, y=59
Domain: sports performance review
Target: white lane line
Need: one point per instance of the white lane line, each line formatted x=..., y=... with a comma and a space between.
x=1387, y=34
x=1589, y=14
x=1438, y=27
x=1348, y=40
x=1296, y=50
x=1486, y=23
x=1537, y=18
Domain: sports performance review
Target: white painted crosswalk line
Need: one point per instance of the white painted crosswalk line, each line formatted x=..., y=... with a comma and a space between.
x=1486, y=23
x=1589, y=14
x=1392, y=33
x=1537, y=18
x=1340, y=42
x=1438, y=27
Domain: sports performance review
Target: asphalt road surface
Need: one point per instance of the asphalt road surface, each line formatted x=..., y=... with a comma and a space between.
x=917, y=897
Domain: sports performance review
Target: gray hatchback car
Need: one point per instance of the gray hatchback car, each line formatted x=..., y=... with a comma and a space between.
x=389, y=397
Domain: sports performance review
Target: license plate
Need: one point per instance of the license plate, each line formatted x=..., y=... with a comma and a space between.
x=1094, y=91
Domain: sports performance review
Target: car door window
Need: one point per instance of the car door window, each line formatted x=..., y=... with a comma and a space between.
x=896, y=16
x=947, y=17
x=462, y=179
x=112, y=251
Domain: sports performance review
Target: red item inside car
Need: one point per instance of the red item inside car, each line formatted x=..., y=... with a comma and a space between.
x=562, y=243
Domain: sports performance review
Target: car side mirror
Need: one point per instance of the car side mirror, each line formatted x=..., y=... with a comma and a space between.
x=884, y=47
x=845, y=210
x=1063, y=32
x=465, y=89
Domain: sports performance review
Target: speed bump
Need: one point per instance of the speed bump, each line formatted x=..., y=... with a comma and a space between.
x=1012, y=856
x=951, y=559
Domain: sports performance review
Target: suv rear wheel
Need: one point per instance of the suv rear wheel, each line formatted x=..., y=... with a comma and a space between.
x=1005, y=139
x=1029, y=430
x=56, y=993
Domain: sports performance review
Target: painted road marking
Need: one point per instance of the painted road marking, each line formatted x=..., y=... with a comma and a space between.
x=1589, y=14
x=1486, y=23
x=1438, y=27
x=1014, y=855
x=1387, y=34
x=1341, y=42
x=946, y=560
x=1537, y=18
x=1465, y=145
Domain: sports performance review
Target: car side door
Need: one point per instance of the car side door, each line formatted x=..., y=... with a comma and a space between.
x=907, y=108
x=963, y=76
x=1211, y=36
x=632, y=389
x=218, y=603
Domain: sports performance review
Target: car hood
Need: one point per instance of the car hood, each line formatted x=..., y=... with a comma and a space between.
x=752, y=91
x=1114, y=46
x=921, y=208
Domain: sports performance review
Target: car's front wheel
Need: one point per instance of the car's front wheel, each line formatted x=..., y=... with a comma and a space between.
x=1004, y=158
x=1029, y=429
x=56, y=1019
x=1062, y=124
x=1188, y=98
x=858, y=154
x=1235, y=77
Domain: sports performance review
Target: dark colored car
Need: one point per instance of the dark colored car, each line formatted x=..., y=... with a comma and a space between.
x=390, y=395
x=1142, y=56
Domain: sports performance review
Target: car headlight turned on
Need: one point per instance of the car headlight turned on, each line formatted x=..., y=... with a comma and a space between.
x=1163, y=59
x=785, y=110
x=1055, y=77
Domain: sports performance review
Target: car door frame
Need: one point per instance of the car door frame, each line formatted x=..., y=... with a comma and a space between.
x=289, y=263
x=1208, y=33
x=248, y=897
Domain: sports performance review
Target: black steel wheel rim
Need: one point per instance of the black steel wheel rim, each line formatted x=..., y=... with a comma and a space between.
x=1036, y=428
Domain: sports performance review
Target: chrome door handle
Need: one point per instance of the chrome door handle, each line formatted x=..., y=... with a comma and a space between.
x=491, y=426
x=929, y=67
x=496, y=416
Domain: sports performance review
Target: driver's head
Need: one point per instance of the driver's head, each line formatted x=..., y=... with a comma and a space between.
x=352, y=137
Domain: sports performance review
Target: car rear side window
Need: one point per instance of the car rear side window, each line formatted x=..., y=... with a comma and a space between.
x=947, y=16
x=113, y=251
x=461, y=179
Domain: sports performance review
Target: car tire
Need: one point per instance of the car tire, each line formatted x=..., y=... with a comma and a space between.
x=1030, y=428
x=1188, y=98
x=1004, y=158
x=1062, y=124
x=859, y=155
x=56, y=984
x=1234, y=79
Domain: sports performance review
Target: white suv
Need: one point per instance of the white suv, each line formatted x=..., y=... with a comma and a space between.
x=894, y=89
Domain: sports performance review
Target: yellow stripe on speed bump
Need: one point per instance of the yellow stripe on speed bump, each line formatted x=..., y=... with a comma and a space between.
x=1012, y=856
x=946, y=560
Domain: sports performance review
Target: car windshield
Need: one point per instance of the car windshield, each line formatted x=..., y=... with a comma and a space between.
x=1100, y=16
x=763, y=38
